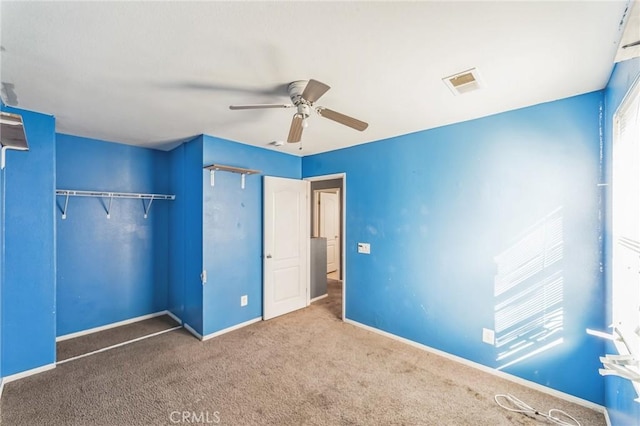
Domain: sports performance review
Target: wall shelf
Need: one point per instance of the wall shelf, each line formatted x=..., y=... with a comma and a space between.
x=111, y=195
x=12, y=135
x=222, y=168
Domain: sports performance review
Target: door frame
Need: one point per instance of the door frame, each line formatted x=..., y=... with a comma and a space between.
x=343, y=233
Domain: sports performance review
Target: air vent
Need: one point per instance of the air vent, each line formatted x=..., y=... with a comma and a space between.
x=464, y=82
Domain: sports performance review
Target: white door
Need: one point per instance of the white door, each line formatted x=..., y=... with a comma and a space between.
x=330, y=228
x=286, y=246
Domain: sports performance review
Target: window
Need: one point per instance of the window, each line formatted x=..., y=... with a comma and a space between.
x=625, y=260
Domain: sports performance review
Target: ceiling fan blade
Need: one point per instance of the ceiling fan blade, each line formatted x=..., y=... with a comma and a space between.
x=295, y=132
x=259, y=106
x=314, y=90
x=342, y=119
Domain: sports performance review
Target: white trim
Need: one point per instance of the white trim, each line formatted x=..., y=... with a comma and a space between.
x=27, y=373
x=1, y=387
x=606, y=416
x=343, y=236
x=308, y=242
x=192, y=331
x=325, y=177
x=137, y=339
x=315, y=299
x=108, y=326
x=175, y=317
x=501, y=374
x=228, y=329
x=343, y=249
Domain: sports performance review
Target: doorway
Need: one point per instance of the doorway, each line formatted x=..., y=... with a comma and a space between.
x=326, y=220
x=327, y=215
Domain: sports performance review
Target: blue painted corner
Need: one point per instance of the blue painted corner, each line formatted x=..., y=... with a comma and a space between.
x=232, y=230
x=110, y=269
x=29, y=277
x=450, y=213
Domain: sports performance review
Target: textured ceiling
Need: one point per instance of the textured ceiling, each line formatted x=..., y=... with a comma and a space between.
x=156, y=73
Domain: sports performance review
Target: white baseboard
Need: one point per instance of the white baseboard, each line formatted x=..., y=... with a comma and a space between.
x=318, y=298
x=27, y=373
x=1, y=387
x=192, y=331
x=493, y=371
x=228, y=329
x=606, y=417
x=174, y=316
x=108, y=326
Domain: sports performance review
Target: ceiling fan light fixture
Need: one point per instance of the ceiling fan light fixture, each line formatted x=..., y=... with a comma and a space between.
x=464, y=82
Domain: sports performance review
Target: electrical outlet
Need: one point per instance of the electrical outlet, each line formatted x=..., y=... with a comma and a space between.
x=364, y=248
x=488, y=336
x=244, y=300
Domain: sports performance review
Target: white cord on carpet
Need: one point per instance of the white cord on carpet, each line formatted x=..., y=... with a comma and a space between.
x=521, y=407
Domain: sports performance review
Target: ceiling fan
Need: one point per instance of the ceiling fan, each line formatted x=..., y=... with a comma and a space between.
x=303, y=95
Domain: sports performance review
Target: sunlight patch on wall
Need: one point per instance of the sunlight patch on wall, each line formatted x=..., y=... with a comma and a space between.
x=529, y=293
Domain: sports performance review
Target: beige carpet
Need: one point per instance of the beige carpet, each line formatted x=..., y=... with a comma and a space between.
x=305, y=368
x=92, y=342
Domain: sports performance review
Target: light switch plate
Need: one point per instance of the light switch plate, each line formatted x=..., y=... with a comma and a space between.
x=364, y=248
x=488, y=336
x=244, y=300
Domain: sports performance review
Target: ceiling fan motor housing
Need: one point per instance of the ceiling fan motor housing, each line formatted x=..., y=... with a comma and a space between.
x=303, y=109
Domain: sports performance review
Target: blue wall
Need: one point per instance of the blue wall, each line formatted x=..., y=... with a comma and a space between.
x=113, y=269
x=620, y=394
x=437, y=208
x=185, y=228
x=29, y=280
x=232, y=229
x=177, y=211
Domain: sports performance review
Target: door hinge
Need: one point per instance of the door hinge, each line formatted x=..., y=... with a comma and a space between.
x=203, y=277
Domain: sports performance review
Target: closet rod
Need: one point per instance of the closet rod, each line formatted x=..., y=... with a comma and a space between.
x=111, y=195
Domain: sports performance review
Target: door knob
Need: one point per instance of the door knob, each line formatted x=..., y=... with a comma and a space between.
x=268, y=256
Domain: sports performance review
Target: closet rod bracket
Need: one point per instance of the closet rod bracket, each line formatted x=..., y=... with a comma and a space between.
x=66, y=204
x=147, y=207
x=109, y=207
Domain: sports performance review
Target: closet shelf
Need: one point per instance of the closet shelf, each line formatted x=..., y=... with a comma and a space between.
x=241, y=170
x=111, y=195
x=222, y=168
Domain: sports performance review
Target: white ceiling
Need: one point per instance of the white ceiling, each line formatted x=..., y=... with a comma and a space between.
x=154, y=73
